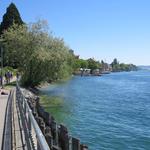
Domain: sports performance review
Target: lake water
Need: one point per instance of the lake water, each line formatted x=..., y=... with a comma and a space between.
x=111, y=112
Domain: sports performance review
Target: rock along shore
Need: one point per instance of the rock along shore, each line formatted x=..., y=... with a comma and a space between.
x=57, y=135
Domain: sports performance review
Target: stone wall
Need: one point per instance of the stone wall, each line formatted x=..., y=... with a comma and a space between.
x=57, y=135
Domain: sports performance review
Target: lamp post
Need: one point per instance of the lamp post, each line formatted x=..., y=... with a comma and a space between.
x=1, y=46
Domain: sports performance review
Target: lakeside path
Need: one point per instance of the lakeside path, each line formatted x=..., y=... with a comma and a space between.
x=3, y=104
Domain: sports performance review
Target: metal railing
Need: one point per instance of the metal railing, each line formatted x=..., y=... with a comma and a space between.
x=46, y=134
x=35, y=137
x=7, y=133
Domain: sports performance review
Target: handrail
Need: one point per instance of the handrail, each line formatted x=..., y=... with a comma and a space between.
x=39, y=135
x=57, y=137
x=7, y=133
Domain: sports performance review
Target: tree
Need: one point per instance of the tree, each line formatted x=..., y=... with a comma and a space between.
x=11, y=16
x=93, y=64
x=102, y=65
x=115, y=62
x=116, y=66
x=39, y=55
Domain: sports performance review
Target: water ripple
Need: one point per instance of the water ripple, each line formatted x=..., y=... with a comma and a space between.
x=111, y=112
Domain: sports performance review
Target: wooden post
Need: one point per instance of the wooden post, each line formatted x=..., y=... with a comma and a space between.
x=75, y=144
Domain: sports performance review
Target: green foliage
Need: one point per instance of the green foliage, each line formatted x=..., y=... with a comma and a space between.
x=93, y=64
x=11, y=16
x=122, y=67
x=8, y=69
x=90, y=64
x=38, y=55
x=10, y=85
x=115, y=62
x=81, y=63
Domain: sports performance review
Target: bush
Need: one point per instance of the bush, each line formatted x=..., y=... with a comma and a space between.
x=38, y=55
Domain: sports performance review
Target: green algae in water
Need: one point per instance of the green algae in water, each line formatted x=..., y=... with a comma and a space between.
x=51, y=101
x=55, y=106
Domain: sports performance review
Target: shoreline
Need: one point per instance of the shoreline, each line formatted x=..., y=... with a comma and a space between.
x=46, y=120
x=46, y=84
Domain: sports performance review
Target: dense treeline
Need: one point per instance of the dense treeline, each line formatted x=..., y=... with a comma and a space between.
x=116, y=66
x=90, y=63
x=38, y=55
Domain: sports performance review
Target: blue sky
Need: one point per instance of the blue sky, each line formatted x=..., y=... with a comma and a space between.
x=103, y=29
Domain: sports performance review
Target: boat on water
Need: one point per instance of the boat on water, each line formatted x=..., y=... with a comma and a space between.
x=105, y=72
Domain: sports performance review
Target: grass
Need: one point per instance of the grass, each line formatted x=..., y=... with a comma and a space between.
x=10, y=85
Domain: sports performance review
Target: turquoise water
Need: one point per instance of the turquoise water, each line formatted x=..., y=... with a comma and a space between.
x=111, y=112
